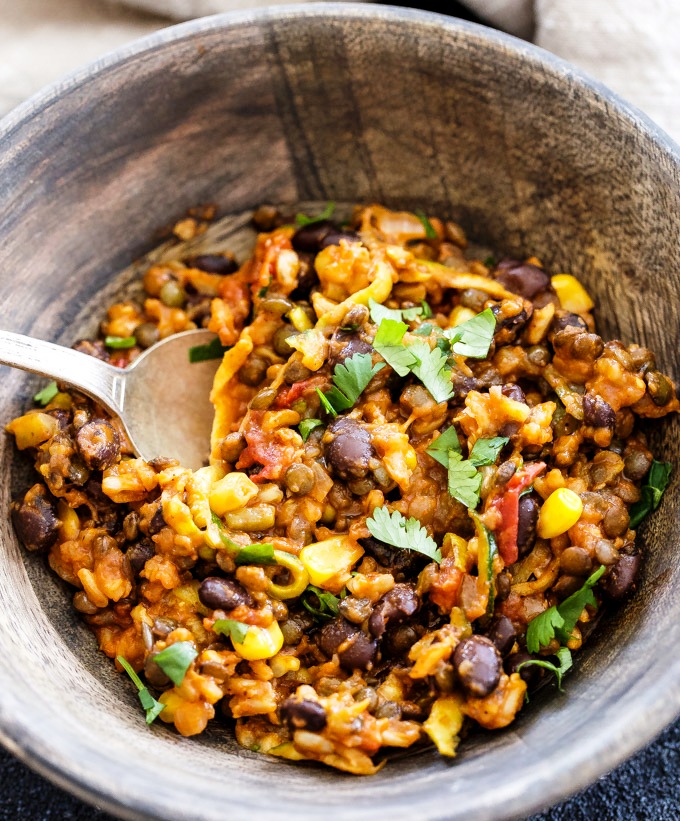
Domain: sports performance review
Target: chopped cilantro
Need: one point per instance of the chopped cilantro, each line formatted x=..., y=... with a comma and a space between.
x=464, y=480
x=152, y=707
x=473, y=338
x=389, y=344
x=47, y=394
x=407, y=534
x=230, y=627
x=350, y=377
x=211, y=350
x=427, y=311
x=326, y=214
x=559, y=621
x=439, y=449
x=380, y=312
x=175, y=660
x=256, y=554
x=306, y=426
x=652, y=490
x=432, y=371
x=485, y=451
x=120, y=341
x=327, y=606
x=424, y=330
x=490, y=261
x=430, y=232
x=565, y=663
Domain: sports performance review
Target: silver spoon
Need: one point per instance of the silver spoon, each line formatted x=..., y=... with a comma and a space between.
x=162, y=398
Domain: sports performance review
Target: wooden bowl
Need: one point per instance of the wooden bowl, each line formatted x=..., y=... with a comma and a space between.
x=345, y=102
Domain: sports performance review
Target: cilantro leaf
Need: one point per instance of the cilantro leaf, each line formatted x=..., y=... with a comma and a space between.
x=176, y=659
x=120, y=341
x=326, y=214
x=306, y=426
x=427, y=311
x=152, y=707
x=565, y=663
x=327, y=602
x=407, y=534
x=572, y=607
x=656, y=482
x=47, y=394
x=439, y=449
x=473, y=338
x=430, y=232
x=236, y=630
x=379, y=312
x=541, y=629
x=256, y=554
x=388, y=343
x=485, y=451
x=465, y=481
x=559, y=621
x=211, y=350
x=350, y=377
x=432, y=371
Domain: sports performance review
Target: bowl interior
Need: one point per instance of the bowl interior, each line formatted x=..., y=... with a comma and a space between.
x=351, y=103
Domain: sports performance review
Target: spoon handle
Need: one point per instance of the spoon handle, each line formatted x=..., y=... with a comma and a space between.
x=97, y=379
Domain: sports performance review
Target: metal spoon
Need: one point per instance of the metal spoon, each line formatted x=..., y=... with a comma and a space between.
x=162, y=398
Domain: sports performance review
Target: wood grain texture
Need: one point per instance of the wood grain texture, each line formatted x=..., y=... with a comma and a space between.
x=344, y=102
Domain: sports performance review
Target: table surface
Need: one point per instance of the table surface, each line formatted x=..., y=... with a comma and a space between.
x=645, y=788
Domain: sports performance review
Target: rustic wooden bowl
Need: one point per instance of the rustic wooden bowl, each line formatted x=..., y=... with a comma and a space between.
x=345, y=102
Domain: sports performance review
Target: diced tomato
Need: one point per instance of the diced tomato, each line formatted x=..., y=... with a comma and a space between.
x=507, y=505
x=288, y=396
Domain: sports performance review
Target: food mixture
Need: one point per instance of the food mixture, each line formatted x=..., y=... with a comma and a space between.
x=425, y=480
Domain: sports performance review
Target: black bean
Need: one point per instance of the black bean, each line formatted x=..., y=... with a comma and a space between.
x=303, y=715
x=530, y=674
x=399, y=640
x=524, y=279
x=509, y=327
x=502, y=633
x=350, y=450
x=214, y=263
x=576, y=561
x=565, y=319
x=527, y=520
x=99, y=444
x=621, y=579
x=566, y=585
x=344, y=344
x=333, y=237
x=513, y=391
x=400, y=562
x=222, y=594
x=503, y=585
x=153, y=673
x=157, y=522
x=35, y=519
x=597, y=413
x=478, y=664
x=355, y=649
x=139, y=554
x=397, y=605
x=309, y=237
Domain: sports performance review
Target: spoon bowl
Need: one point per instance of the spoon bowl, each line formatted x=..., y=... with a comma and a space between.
x=162, y=398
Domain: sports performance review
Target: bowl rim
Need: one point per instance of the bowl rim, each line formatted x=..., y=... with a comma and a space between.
x=579, y=768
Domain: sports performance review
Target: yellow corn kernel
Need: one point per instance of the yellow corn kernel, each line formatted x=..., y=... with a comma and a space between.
x=444, y=724
x=171, y=702
x=571, y=294
x=69, y=523
x=460, y=314
x=32, y=429
x=329, y=562
x=299, y=319
x=232, y=492
x=560, y=511
x=177, y=514
x=260, y=642
x=283, y=663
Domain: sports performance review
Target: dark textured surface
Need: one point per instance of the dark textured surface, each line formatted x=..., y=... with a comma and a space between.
x=311, y=103
x=643, y=789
